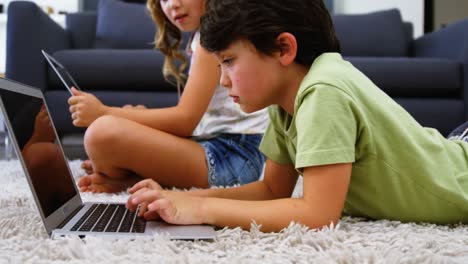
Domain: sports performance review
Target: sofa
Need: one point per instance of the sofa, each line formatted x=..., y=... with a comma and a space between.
x=109, y=52
x=427, y=75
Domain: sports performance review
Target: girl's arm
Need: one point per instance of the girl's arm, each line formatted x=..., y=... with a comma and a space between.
x=179, y=120
x=324, y=193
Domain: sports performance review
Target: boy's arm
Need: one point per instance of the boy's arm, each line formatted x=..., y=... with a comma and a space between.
x=279, y=182
x=324, y=193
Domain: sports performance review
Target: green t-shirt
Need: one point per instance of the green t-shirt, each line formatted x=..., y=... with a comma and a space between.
x=400, y=171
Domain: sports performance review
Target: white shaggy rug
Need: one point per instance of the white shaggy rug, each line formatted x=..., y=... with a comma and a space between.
x=24, y=240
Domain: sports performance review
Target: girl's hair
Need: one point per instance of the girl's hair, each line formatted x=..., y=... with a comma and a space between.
x=260, y=22
x=168, y=40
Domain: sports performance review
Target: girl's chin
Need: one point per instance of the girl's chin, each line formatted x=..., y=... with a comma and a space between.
x=186, y=28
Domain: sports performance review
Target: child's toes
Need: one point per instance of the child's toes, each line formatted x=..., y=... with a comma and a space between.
x=87, y=166
x=84, y=181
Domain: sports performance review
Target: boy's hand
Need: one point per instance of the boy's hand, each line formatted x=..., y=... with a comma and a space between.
x=85, y=108
x=172, y=206
x=139, y=188
x=147, y=184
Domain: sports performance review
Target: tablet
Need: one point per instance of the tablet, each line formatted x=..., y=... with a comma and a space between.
x=61, y=72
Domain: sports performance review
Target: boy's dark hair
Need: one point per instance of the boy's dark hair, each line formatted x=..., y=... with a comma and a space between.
x=261, y=21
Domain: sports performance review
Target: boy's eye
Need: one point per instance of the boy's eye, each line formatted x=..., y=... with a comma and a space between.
x=227, y=61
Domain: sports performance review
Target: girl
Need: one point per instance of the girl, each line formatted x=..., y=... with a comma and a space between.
x=359, y=152
x=205, y=140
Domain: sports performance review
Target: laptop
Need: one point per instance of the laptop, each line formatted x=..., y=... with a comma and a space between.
x=56, y=195
x=61, y=72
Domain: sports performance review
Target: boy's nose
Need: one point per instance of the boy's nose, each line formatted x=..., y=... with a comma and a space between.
x=225, y=81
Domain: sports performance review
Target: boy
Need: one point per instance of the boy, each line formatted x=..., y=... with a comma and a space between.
x=358, y=151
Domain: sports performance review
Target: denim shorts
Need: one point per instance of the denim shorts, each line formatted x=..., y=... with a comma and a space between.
x=233, y=159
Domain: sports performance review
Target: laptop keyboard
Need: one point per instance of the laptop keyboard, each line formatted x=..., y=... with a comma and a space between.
x=110, y=218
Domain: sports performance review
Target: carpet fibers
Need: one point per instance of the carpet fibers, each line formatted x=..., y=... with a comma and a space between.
x=24, y=240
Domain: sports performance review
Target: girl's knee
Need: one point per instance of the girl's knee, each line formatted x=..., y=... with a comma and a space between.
x=103, y=132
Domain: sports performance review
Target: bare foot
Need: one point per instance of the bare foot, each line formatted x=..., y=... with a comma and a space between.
x=87, y=166
x=99, y=183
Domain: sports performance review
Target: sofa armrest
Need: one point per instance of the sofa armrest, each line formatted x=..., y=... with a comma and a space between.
x=450, y=42
x=29, y=30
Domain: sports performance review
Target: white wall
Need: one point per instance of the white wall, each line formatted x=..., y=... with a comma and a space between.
x=449, y=11
x=411, y=10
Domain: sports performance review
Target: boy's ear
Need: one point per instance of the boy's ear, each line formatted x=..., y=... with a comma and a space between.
x=288, y=45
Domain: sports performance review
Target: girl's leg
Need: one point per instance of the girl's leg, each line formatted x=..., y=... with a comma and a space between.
x=86, y=165
x=120, y=148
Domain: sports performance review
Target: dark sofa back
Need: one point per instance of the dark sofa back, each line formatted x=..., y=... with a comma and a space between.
x=115, y=25
x=82, y=29
x=122, y=25
x=377, y=34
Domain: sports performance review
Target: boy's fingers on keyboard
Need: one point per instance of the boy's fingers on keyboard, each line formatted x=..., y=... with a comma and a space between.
x=132, y=204
x=139, y=185
x=143, y=209
x=157, y=205
x=140, y=191
x=129, y=204
x=141, y=197
x=148, y=196
x=152, y=216
x=165, y=209
x=136, y=187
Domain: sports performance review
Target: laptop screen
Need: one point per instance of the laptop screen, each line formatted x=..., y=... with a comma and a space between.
x=42, y=155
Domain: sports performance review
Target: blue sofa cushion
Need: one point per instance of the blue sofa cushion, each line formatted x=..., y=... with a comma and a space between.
x=413, y=77
x=445, y=114
x=380, y=34
x=114, y=70
x=123, y=25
